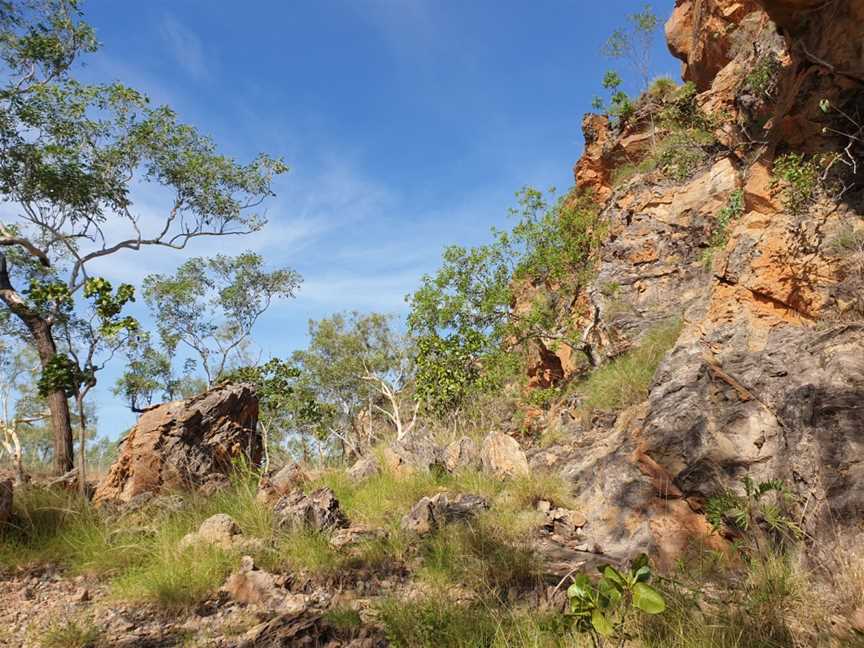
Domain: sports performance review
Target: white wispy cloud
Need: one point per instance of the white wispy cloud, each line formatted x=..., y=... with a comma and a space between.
x=185, y=46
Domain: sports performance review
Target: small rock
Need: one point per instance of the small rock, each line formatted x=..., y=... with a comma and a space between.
x=318, y=511
x=363, y=468
x=252, y=586
x=82, y=595
x=502, y=456
x=219, y=529
x=288, y=478
x=431, y=513
x=354, y=535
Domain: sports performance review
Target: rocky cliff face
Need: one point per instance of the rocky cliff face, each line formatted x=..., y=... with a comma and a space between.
x=762, y=263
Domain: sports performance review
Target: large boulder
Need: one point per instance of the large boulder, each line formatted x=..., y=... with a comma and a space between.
x=179, y=445
x=502, y=456
x=317, y=511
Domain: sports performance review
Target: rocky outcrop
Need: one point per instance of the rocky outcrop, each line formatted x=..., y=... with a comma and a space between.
x=317, y=511
x=767, y=376
x=431, y=513
x=502, y=456
x=179, y=445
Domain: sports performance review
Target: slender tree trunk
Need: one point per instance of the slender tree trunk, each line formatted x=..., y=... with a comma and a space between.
x=82, y=439
x=58, y=404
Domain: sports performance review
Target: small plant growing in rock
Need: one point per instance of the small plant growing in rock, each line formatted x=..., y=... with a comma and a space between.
x=732, y=211
x=800, y=177
x=620, y=107
x=679, y=155
x=760, y=517
x=762, y=78
x=603, y=610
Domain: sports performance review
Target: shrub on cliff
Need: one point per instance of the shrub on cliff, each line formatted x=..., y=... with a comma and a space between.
x=465, y=317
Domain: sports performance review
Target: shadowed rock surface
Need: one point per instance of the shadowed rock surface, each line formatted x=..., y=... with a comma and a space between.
x=317, y=511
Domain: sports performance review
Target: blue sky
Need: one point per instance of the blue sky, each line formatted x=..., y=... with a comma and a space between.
x=408, y=125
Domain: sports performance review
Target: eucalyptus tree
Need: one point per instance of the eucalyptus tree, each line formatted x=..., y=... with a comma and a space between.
x=89, y=341
x=71, y=155
x=351, y=360
x=211, y=305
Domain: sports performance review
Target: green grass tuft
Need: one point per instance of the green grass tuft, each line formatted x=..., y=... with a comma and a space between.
x=626, y=380
x=72, y=634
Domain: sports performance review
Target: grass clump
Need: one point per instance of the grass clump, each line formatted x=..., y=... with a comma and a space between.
x=485, y=555
x=72, y=634
x=626, y=380
x=176, y=580
x=681, y=153
x=441, y=623
x=662, y=87
x=343, y=617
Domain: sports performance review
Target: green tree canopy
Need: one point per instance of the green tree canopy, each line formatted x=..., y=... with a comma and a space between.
x=210, y=305
x=465, y=315
x=70, y=155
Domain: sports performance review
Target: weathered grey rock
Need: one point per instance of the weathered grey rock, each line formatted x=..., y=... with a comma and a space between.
x=317, y=511
x=181, y=444
x=416, y=452
x=353, y=536
x=502, y=456
x=431, y=513
x=364, y=468
x=222, y=531
x=6, y=493
x=462, y=453
x=790, y=410
x=281, y=482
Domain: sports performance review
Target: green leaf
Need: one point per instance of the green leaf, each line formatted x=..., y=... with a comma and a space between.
x=601, y=624
x=642, y=574
x=614, y=577
x=581, y=587
x=647, y=599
